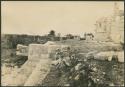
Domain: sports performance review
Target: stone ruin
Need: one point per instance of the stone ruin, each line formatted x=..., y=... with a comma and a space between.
x=22, y=50
x=35, y=69
x=37, y=66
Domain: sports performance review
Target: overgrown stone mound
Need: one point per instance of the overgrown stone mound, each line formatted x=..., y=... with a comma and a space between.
x=78, y=69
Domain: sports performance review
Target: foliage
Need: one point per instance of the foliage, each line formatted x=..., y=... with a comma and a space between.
x=69, y=36
x=12, y=40
x=52, y=33
x=80, y=72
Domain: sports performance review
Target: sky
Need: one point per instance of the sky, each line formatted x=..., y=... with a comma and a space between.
x=39, y=17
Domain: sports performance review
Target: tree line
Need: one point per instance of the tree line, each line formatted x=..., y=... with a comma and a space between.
x=11, y=40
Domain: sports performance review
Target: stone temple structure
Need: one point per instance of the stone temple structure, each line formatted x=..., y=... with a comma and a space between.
x=111, y=28
x=35, y=69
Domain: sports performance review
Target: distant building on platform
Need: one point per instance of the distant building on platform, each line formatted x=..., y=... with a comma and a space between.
x=76, y=37
x=111, y=28
x=89, y=36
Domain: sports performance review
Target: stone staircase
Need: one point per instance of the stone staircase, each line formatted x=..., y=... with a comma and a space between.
x=35, y=69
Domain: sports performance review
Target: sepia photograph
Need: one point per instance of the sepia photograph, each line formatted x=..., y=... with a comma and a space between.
x=62, y=43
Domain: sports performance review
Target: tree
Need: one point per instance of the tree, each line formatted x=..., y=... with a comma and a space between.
x=69, y=36
x=52, y=33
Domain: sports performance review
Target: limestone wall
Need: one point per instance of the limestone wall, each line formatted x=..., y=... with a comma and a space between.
x=22, y=50
x=39, y=73
x=117, y=31
x=36, y=67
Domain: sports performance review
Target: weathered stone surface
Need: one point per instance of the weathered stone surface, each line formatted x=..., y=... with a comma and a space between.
x=121, y=56
x=22, y=50
x=104, y=55
x=36, y=50
x=108, y=55
x=50, y=43
x=39, y=73
x=36, y=68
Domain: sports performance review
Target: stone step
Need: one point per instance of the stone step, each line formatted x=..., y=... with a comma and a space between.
x=39, y=73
